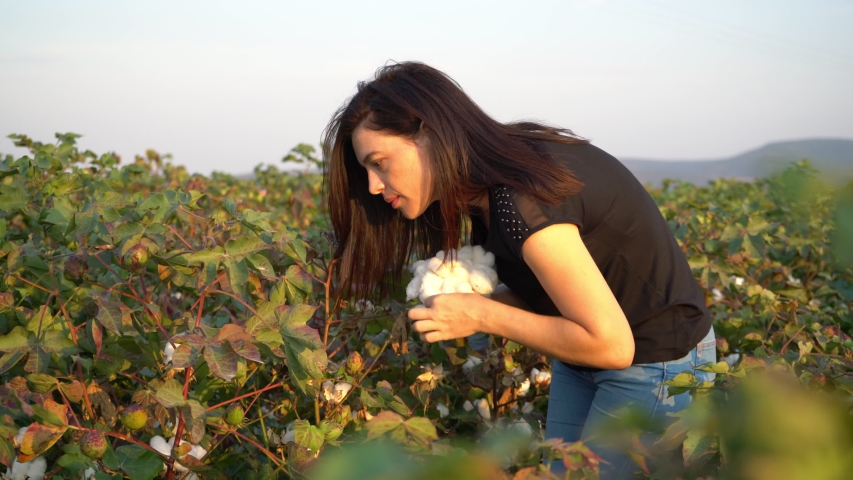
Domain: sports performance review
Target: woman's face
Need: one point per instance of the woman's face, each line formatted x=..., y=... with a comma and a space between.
x=398, y=168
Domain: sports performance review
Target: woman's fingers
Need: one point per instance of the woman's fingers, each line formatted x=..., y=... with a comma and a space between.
x=425, y=326
x=420, y=313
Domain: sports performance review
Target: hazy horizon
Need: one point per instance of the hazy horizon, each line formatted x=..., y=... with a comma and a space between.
x=226, y=86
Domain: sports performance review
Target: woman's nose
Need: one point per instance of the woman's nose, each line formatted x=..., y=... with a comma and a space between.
x=374, y=185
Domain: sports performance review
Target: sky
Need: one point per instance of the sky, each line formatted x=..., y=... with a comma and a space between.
x=226, y=86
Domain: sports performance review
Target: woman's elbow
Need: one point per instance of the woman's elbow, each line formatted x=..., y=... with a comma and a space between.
x=621, y=355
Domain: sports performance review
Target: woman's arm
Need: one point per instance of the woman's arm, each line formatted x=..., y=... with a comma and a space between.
x=592, y=330
x=503, y=294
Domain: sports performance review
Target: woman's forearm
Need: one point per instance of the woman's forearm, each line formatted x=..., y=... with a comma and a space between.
x=556, y=337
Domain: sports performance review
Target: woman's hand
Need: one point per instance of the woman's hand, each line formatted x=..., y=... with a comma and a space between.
x=448, y=316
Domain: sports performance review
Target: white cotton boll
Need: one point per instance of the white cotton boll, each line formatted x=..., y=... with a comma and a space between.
x=464, y=287
x=471, y=362
x=443, y=270
x=522, y=427
x=88, y=473
x=168, y=351
x=414, y=267
x=488, y=259
x=341, y=390
x=738, y=281
x=718, y=295
x=480, y=282
x=460, y=271
x=198, y=452
x=290, y=435
x=20, y=436
x=38, y=467
x=413, y=289
x=467, y=406
x=433, y=264
x=794, y=281
x=465, y=253
x=428, y=292
x=19, y=471
x=160, y=444
x=540, y=378
x=477, y=253
x=449, y=285
x=483, y=408
x=432, y=281
x=422, y=269
x=443, y=411
x=523, y=388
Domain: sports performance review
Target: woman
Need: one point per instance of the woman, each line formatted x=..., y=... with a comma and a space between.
x=592, y=276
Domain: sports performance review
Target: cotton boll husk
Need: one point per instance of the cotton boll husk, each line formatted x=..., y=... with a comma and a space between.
x=413, y=289
x=480, y=282
x=465, y=253
x=464, y=287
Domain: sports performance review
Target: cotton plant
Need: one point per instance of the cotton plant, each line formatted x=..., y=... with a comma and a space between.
x=467, y=270
x=335, y=392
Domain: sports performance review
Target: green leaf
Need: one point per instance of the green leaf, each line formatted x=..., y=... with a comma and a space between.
x=698, y=446
x=206, y=256
x=421, y=429
x=170, y=394
x=262, y=265
x=719, y=368
x=195, y=415
x=7, y=452
x=298, y=285
x=9, y=360
x=242, y=246
x=305, y=352
x=307, y=435
x=110, y=314
x=13, y=197
x=382, y=423
x=15, y=341
x=138, y=463
x=222, y=361
x=157, y=203
x=238, y=275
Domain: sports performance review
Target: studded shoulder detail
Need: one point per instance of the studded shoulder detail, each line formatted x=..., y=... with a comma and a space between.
x=513, y=228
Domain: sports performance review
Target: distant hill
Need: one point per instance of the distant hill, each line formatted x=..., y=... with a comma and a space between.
x=833, y=157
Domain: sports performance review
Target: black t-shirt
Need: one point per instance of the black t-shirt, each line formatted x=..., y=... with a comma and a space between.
x=627, y=237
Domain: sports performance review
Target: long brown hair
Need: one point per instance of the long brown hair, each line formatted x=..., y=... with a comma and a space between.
x=470, y=152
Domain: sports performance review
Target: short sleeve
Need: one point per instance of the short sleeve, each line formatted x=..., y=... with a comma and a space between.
x=520, y=216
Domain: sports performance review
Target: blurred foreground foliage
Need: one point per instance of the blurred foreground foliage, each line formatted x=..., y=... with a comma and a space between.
x=136, y=284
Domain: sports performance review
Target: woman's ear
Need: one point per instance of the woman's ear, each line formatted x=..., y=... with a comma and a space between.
x=423, y=134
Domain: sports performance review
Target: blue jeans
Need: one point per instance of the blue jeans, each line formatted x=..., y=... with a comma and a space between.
x=581, y=401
